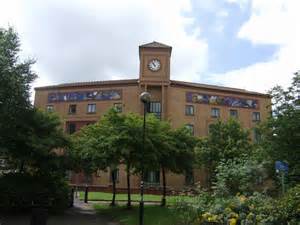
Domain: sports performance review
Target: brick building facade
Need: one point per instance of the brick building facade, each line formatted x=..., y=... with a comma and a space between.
x=182, y=103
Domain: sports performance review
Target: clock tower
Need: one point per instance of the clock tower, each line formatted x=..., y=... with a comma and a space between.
x=155, y=63
x=155, y=75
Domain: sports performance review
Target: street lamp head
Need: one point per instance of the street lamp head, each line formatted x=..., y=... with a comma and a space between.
x=145, y=97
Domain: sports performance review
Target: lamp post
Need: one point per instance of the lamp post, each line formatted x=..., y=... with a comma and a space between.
x=145, y=99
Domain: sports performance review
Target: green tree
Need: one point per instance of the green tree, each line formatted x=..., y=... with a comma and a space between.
x=97, y=147
x=30, y=140
x=169, y=149
x=15, y=80
x=226, y=140
x=281, y=133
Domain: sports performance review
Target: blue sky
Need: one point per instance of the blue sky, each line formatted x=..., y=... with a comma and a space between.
x=251, y=44
x=226, y=50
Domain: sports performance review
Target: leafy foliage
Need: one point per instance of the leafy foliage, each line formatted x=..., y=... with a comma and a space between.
x=36, y=190
x=255, y=209
x=281, y=133
x=31, y=141
x=118, y=138
x=226, y=141
x=238, y=176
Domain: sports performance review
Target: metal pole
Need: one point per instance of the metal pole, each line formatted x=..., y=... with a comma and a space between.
x=282, y=182
x=142, y=169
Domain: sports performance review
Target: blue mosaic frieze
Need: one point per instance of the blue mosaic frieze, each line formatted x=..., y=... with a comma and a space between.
x=230, y=101
x=85, y=95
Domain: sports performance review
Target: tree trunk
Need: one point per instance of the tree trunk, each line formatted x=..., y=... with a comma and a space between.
x=22, y=166
x=163, y=200
x=113, y=177
x=128, y=188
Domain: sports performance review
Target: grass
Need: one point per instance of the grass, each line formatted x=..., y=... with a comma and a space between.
x=94, y=196
x=153, y=215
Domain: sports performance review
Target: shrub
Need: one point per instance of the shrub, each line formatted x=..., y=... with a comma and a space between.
x=23, y=191
x=256, y=209
x=289, y=205
x=238, y=176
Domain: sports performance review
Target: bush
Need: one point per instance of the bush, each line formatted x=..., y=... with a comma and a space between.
x=238, y=176
x=23, y=191
x=256, y=209
x=289, y=206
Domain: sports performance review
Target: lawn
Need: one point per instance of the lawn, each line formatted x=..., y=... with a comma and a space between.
x=94, y=196
x=153, y=215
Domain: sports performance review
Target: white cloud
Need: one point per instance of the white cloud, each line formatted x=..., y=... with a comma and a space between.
x=98, y=40
x=271, y=22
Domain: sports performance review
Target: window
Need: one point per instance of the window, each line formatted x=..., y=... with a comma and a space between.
x=210, y=128
x=233, y=113
x=114, y=173
x=256, y=136
x=72, y=109
x=215, y=112
x=71, y=128
x=189, y=110
x=49, y=108
x=91, y=108
x=152, y=177
x=256, y=116
x=155, y=107
x=118, y=107
x=190, y=127
x=189, y=177
x=68, y=175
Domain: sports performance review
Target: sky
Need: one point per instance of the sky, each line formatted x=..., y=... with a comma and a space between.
x=250, y=44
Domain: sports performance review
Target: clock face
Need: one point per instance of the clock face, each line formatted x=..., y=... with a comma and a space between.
x=154, y=65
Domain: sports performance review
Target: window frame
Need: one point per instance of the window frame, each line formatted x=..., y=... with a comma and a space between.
x=49, y=106
x=256, y=117
x=191, y=128
x=88, y=107
x=120, y=105
x=70, y=107
x=187, y=110
x=234, y=116
x=152, y=105
x=69, y=127
x=117, y=177
x=215, y=110
x=155, y=174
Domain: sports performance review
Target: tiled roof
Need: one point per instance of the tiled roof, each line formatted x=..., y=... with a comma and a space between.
x=216, y=87
x=155, y=44
x=136, y=81
x=89, y=83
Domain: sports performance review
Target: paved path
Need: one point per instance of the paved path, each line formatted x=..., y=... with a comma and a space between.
x=80, y=214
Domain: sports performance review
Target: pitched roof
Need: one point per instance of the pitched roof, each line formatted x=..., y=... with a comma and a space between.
x=136, y=81
x=216, y=87
x=89, y=83
x=154, y=44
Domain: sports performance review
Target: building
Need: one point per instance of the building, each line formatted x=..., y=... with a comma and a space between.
x=183, y=103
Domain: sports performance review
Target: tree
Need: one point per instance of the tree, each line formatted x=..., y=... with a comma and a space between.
x=281, y=133
x=96, y=147
x=170, y=149
x=30, y=140
x=226, y=140
x=15, y=79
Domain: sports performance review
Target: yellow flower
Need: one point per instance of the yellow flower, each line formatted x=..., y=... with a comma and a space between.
x=232, y=221
x=212, y=218
x=242, y=198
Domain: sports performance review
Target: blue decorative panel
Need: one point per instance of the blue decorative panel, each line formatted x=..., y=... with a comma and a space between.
x=85, y=95
x=221, y=100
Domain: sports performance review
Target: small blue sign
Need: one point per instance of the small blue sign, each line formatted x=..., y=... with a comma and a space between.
x=281, y=166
